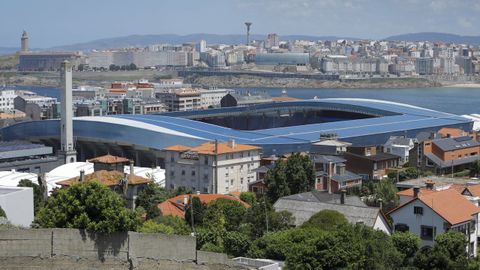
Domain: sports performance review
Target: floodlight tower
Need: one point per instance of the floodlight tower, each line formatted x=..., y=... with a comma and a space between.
x=248, y=24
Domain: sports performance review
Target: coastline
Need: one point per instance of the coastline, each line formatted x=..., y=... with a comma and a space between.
x=463, y=85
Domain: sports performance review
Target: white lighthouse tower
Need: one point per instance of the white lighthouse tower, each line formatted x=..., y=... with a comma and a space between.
x=67, y=147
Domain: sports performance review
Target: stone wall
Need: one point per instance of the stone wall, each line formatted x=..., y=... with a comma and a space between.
x=78, y=249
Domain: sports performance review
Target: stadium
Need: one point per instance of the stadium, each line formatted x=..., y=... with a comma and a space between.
x=279, y=127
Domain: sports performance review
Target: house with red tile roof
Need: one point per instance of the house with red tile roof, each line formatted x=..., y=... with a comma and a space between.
x=176, y=206
x=431, y=212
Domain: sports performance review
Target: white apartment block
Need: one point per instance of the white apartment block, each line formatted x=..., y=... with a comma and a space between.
x=6, y=100
x=212, y=98
x=211, y=168
x=183, y=99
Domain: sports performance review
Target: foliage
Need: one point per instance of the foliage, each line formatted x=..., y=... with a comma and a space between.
x=150, y=197
x=248, y=197
x=233, y=212
x=262, y=212
x=214, y=219
x=462, y=173
x=350, y=247
x=198, y=212
x=178, y=224
x=205, y=236
x=277, y=181
x=151, y=226
x=38, y=192
x=296, y=175
x=384, y=190
x=87, y=205
x=181, y=191
x=407, y=243
x=475, y=168
x=236, y=244
x=300, y=173
x=449, y=252
x=326, y=220
x=278, y=245
x=2, y=213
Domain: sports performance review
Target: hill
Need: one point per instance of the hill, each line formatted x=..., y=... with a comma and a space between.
x=437, y=37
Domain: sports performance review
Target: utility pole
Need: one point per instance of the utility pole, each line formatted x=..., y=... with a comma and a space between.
x=215, y=182
x=191, y=215
x=266, y=213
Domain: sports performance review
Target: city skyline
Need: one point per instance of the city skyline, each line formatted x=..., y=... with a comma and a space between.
x=355, y=18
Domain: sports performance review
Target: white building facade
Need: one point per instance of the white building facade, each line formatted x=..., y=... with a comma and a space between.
x=17, y=202
x=6, y=100
x=206, y=170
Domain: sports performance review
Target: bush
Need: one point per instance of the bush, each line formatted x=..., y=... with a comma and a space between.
x=248, y=197
x=179, y=225
x=326, y=220
x=236, y=244
x=151, y=226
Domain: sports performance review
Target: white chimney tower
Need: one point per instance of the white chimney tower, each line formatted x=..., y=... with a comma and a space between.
x=67, y=149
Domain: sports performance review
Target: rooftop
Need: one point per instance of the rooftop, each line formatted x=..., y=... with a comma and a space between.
x=439, y=181
x=209, y=148
x=108, y=178
x=109, y=159
x=452, y=144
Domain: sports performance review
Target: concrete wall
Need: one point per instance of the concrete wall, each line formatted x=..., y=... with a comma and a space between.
x=78, y=249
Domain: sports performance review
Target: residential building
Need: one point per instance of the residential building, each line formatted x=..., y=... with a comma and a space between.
x=400, y=146
x=445, y=155
x=109, y=171
x=329, y=145
x=176, y=206
x=332, y=175
x=183, y=99
x=432, y=213
x=6, y=100
x=212, y=167
x=370, y=162
x=211, y=98
x=305, y=205
x=17, y=202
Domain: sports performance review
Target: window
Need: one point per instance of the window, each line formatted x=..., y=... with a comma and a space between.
x=183, y=172
x=172, y=173
x=417, y=210
x=193, y=173
x=206, y=161
x=401, y=227
x=172, y=158
x=427, y=232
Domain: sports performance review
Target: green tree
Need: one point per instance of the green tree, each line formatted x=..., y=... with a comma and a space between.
x=214, y=219
x=277, y=182
x=198, y=212
x=248, y=197
x=407, y=243
x=2, y=213
x=89, y=205
x=326, y=220
x=132, y=66
x=449, y=252
x=150, y=197
x=151, y=226
x=38, y=192
x=236, y=244
x=179, y=225
x=233, y=212
x=300, y=173
x=262, y=213
x=475, y=168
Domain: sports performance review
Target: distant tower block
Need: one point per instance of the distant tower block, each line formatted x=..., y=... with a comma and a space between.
x=248, y=24
x=67, y=148
x=24, y=41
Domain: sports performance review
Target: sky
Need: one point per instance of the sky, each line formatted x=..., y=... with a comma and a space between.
x=62, y=22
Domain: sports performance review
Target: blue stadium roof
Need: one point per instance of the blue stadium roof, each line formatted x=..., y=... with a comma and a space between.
x=160, y=131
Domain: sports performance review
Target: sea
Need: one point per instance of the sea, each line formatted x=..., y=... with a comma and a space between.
x=452, y=100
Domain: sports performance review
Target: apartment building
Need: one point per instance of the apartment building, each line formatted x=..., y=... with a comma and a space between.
x=212, y=167
x=183, y=99
x=370, y=162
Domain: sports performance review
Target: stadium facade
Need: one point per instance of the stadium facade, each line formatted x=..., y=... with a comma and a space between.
x=278, y=128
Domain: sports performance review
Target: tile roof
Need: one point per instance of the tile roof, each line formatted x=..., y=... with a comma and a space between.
x=109, y=159
x=175, y=206
x=108, y=178
x=448, y=204
x=474, y=190
x=208, y=148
